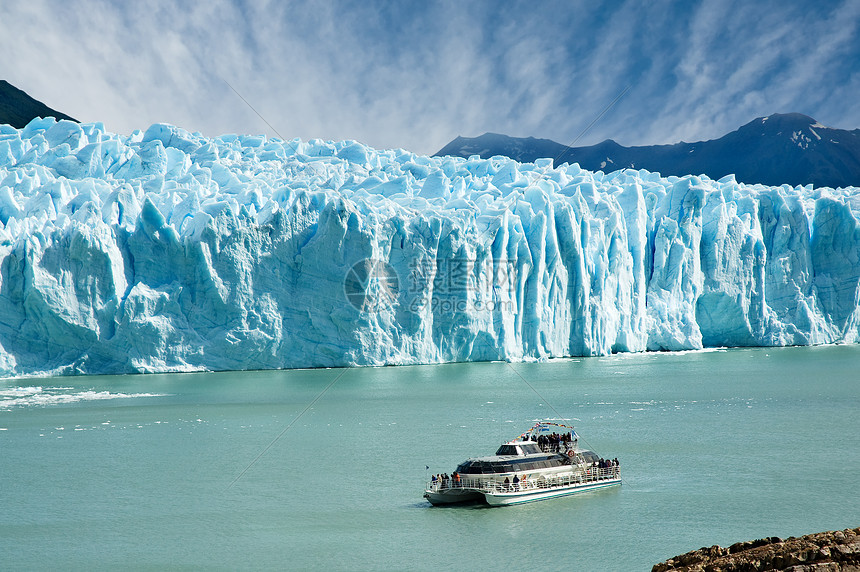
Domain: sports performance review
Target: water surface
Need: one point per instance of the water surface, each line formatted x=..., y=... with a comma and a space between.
x=235, y=470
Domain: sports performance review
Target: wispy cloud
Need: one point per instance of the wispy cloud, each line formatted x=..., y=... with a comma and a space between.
x=744, y=60
x=415, y=75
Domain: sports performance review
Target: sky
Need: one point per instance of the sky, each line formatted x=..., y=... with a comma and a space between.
x=415, y=75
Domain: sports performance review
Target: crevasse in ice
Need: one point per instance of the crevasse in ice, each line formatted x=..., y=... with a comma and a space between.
x=170, y=251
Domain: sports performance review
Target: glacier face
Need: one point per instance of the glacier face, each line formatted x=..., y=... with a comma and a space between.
x=169, y=251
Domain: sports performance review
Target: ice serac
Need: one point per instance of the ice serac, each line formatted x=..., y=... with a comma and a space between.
x=169, y=251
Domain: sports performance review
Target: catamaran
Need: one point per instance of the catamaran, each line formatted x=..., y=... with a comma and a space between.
x=544, y=462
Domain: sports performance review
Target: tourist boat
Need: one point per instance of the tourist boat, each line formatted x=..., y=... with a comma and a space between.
x=544, y=462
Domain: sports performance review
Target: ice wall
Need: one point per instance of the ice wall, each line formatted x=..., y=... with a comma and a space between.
x=168, y=251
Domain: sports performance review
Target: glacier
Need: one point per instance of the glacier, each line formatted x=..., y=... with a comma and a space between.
x=166, y=251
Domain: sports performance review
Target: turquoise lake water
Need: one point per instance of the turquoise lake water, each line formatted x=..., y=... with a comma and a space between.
x=234, y=470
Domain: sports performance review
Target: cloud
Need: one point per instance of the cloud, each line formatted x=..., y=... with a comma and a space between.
x=415, y=75
x=747, y=60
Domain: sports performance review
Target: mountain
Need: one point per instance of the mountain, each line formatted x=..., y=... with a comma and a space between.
x=170, y=251
x=18, y=109
x=782, y=148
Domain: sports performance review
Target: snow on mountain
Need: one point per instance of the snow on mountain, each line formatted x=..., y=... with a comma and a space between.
x=169, y=251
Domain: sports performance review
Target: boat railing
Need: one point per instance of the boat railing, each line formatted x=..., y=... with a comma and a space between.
x=494, y=484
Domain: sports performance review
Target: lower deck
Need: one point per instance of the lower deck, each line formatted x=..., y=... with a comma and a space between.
x=498, y=492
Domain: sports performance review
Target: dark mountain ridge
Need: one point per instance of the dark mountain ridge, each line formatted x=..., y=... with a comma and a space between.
x=782, y=148
x=18, y=109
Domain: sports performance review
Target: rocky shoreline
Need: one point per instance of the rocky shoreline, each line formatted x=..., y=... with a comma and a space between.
x=833, y=551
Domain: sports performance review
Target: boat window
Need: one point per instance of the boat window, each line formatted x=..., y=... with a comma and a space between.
x=507, y=450
x=531, y=448
x=469, y=468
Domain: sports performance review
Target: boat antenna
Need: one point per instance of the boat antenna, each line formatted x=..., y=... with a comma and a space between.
x=287, y=428
x=548, y=404
x=535, y=390
x=584, y=131
x=596, y=119
x=272, y=127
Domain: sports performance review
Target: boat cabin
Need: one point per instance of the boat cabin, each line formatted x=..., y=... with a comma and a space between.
x=512, y=457
x=518, y=449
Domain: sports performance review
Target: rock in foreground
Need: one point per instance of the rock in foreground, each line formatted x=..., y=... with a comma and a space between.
x=822, y=552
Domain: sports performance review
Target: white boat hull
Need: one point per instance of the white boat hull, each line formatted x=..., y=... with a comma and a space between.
x=497, y=495
x=505, y=498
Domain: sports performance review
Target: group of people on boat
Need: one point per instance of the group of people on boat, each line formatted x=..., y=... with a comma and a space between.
x=554, y=442
x=443, y=481
x=606, y=467
x=514, y=485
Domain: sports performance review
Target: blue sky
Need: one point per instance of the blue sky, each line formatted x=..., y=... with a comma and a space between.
x=417, y=74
